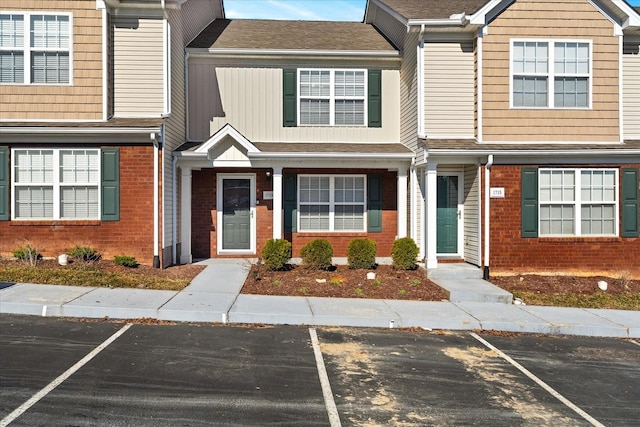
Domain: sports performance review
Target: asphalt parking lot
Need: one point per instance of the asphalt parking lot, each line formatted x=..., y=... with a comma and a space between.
x=56, y=372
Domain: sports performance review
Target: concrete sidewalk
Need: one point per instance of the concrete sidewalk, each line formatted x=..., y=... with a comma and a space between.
x=213, y=296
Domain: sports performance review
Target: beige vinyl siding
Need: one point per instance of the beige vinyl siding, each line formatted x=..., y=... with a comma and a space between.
x=449, y=79
x=138, y=72
x=552, y=19
x=409, y=93
x=250, y=99
x=196, y=15
x=631, y=89
x=388, y=25
x=471, y=215
x=82, y=99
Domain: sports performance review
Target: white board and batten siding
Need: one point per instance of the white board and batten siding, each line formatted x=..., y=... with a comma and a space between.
x=449, y=82
x=471, y=215
x=138, y=67
x=250, y=99
x=631, y=88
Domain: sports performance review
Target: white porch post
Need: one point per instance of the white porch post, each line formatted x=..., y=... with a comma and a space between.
x=276, y=178
x=185, y=216
x=402, y=203
x=431, y=181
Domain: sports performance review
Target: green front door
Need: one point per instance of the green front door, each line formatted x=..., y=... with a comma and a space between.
x=447, y=215
x=236, y=213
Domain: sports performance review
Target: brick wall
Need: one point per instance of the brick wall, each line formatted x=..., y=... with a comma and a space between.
x=132, y=235
x=510, y=252
x=204, y=214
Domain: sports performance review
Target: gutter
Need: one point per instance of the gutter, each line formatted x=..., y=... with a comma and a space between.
x=343, y=156
x=248, y=53
x=515, y=153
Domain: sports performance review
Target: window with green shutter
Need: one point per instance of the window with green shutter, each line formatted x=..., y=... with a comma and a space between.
x=375, y=98
x=110, y=184
x=4, y=183
x=289, y=98
x=630, y=203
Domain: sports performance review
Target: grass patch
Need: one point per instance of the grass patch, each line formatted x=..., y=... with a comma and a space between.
x=624, y=301
x=88, y=275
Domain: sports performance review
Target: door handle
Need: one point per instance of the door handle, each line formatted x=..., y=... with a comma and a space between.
x=460, y=214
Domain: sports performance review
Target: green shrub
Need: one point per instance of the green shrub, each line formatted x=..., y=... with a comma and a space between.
x=276, y=253
x=27, y=253
x=125, y=261
x=361, y=254
x=317, y=254
x=83, y=253
x=404, y=253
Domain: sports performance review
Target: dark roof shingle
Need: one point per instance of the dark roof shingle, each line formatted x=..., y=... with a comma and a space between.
x=433, y=9
x=292, y=35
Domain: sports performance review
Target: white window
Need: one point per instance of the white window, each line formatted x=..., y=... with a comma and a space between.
x=551, y=74
x=578, y=202
x=56, y=184
x=35, y=48
x=332, y=97
x=331, y=203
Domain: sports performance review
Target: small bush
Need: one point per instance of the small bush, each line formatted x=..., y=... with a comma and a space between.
x=27, y=253
x=125, y=261
x=317, y=254
x=83, y=253
x=361, y=254
x=404, y=253
x=276, y=253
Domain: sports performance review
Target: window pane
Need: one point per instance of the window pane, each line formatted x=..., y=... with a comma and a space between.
x=33, y=166
x=50, y=31
x=314, y=112
x=557, y=220
x=529, y=91
x=571, y=92
x=79, y=166
x=315, y=83
x=349, y=217
x=349, y=83
x=11, y=31
x=597, y=219
x=349, y=112
x=79, y=202
x=314, y=217
x=11, y=67
x=34, y=202
x=50, y=67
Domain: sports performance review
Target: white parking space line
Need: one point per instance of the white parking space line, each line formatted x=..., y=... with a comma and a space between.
x=635, y=342
x=55, y=383
x=541, y=383
x=330, y=404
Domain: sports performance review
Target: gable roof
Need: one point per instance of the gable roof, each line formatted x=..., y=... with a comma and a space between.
x=433, y=9
x=290, y=35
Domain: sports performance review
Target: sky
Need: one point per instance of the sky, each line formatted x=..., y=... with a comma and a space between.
x=311, y=10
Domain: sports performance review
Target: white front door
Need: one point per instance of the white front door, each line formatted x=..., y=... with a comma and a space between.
x=449, y=214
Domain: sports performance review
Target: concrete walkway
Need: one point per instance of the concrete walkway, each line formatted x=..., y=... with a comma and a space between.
x=213, y=296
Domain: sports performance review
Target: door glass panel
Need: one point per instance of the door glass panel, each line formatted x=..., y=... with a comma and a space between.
x=447, y=215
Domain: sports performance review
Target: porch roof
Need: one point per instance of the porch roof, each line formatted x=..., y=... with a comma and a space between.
x=472, y=146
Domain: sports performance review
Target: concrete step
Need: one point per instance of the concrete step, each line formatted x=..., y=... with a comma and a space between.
x=473, y=290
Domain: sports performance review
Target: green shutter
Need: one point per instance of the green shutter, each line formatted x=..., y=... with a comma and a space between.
x=290, y=202
x=375, y=98
x=630, y=203
x=529, y=202
x=374, y=203
x=289, y=97
x=4, y=183
x=110, y=184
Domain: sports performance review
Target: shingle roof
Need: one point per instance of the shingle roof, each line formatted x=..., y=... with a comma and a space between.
x=473, y=145
x=307, y=147
x=293, y=35
x=433, y=9
x=112, y=123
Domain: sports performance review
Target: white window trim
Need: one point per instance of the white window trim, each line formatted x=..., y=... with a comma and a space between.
x=332, y=97
x=550, y=74
x=332, y=204
x=27, y=48
x=577, y=203
x=56, y=184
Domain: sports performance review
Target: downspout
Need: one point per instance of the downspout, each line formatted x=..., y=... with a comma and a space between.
x=105, y=63
x=157, y=146
x=487, y=228
x=186, y=96
x=420, y=84
x=412, y=198
x=174, y=211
